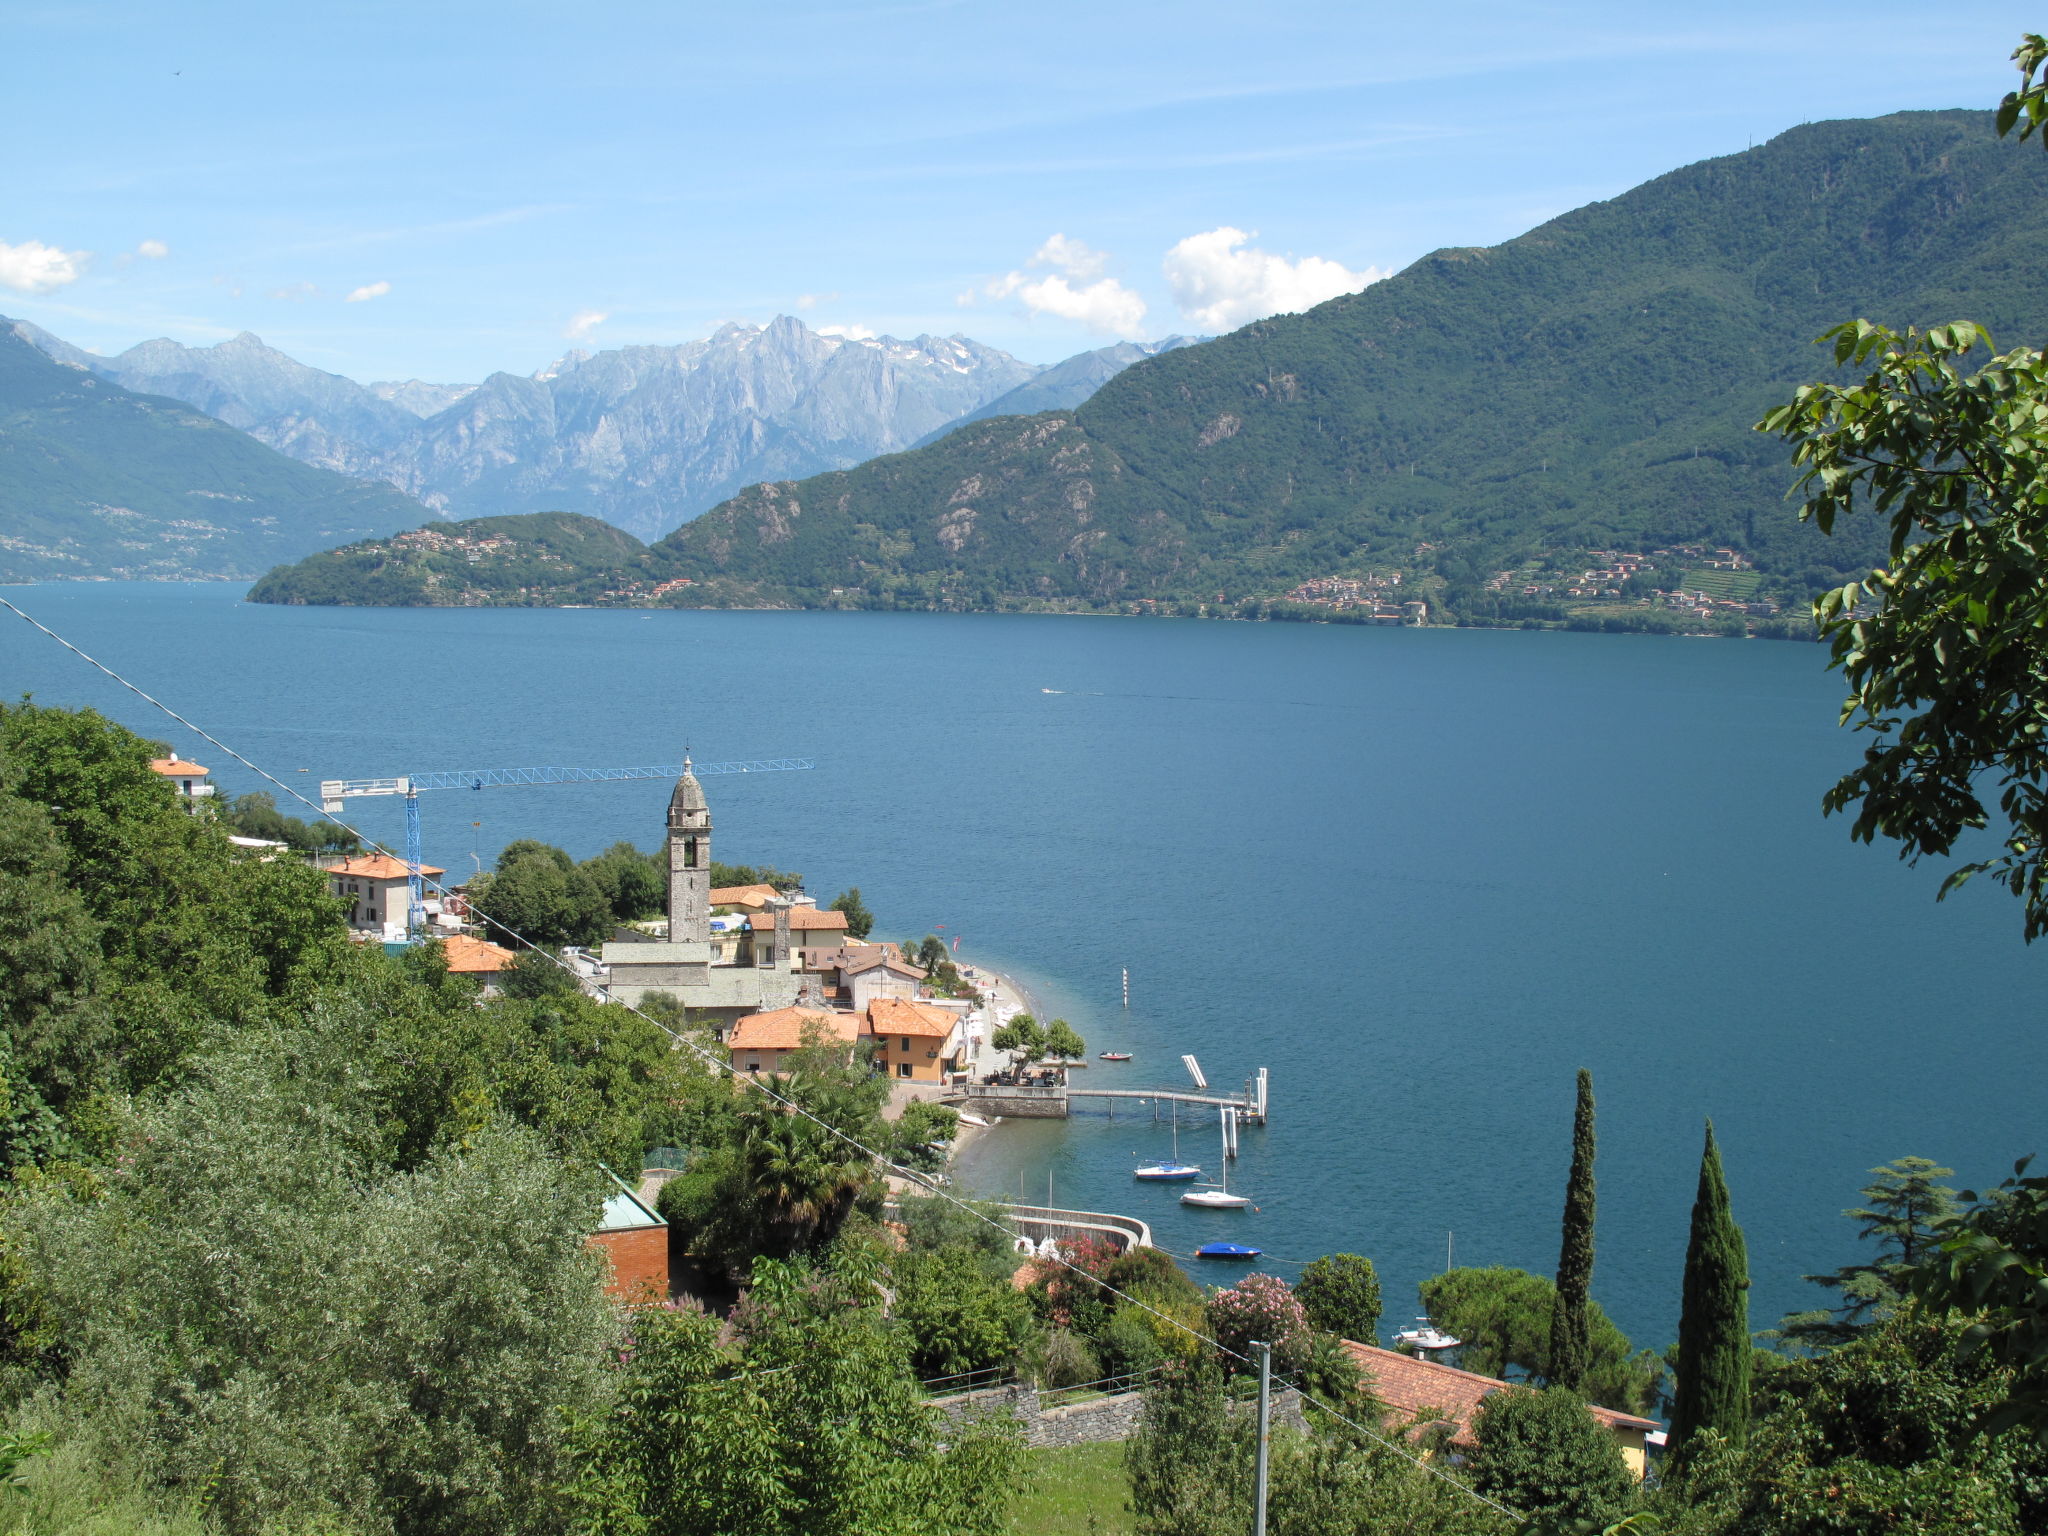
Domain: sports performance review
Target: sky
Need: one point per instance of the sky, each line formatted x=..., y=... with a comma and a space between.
x=448, y=189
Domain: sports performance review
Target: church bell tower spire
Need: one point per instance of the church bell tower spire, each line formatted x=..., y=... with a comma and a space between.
x=689, y=861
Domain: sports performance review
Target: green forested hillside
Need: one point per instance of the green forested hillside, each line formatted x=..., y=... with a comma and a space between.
x=1590, y=384
x=533, y=557
x=98, y=481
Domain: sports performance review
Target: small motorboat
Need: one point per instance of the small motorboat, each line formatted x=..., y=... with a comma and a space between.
x=1424, y=1337
x=1226, y=1251
x=1162, y=1172
x=1115, y=1056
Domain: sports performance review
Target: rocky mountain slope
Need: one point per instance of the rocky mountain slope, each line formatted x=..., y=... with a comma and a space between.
x=100, y=481
x=645, y=437
x=1591, y=384
x=1065, y=385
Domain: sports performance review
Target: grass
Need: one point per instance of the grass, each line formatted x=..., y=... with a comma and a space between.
x=1077, y=1490
x=1739, y=585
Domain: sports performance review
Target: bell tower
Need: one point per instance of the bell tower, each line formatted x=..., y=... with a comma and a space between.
x=689, y=862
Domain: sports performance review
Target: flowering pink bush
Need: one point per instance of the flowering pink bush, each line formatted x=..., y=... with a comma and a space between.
x=1260, y=1307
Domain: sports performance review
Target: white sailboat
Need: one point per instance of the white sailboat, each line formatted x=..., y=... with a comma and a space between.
x=1220, y=1198
x=1175, y=1171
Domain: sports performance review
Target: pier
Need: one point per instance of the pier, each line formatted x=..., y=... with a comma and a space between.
x=1055, y=1101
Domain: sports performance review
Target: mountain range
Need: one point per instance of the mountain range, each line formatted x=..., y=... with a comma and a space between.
x=100, y=481
x=645, y=437
x=1591, y=385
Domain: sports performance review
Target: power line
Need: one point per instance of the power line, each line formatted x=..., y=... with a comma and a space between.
x=710, y=1059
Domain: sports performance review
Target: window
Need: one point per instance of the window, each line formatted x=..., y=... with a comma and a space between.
x=689, y=853
x=903, y=1069
x=906, y=1042
x=753, y=1066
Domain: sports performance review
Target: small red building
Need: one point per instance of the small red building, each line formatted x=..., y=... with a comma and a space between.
x=634, y=1237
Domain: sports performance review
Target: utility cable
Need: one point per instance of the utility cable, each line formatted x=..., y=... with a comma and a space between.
x=713, y=1061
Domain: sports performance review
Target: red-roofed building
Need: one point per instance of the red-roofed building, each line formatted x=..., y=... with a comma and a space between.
x=634, y=1239
x=374, y=886
x=478, y=959
x=1418, y=1392
x=760, y=1042
x=188, y=779
x=919, y=1042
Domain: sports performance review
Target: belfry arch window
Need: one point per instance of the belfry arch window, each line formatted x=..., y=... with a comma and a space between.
x=689, y=853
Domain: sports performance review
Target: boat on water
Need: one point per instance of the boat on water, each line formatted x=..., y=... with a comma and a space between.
x=1425, y=1336
x=1220, y=1198
x=1168, y=1172
x=1115, y=1056
x=1226, y=1251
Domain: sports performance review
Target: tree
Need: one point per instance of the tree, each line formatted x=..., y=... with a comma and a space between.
x=1544, y=1454
x=1021, y=1037
x=546, y=904
x=860, y=922
x=521, y=849
x=1907, y=1208
x=811, y=1422
x=1883, y=1434
x=1945, y=649
x=959, y=1317
x=922, y=1133
x=630, y=880
x=532, y=976
x=1340, y=1292
x=1190, y=1461
x=1062, y=1042
x=1571, y=1337
x=931, y=953
x=1503, y=1316
x=1713, y=1325
x=1259, y=1308
x=255, y=1303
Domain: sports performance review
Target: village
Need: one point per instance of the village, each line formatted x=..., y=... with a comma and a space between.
x=767, y=973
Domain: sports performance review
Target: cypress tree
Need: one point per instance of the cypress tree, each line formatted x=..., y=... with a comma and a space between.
x=1713, y=1327
x=1571, y=1332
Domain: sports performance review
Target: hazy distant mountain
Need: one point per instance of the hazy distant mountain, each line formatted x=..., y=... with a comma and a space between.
x=98, y=481
x=643, y=437
x=1065, y=385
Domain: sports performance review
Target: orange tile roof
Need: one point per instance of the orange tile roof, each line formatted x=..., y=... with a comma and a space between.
x=378, y=866
x=740, y=895
x=896, y=1016
x=472, y=957
x=783, y=1030
x=850, y=960
x=801, y=919
x=1408, y=1385
x=176, y=768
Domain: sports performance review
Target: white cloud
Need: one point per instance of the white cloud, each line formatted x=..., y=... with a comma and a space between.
x=1220, y=282
x=813, y=300
x=581, y=324
x=1071, y=257
x=296, y=292
x=367, y=292
x=1104, y=306
x=850, y=332
x=152, y=250
x=33, y=267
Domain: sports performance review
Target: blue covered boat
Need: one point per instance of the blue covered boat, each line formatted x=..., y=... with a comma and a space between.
x=1226, y=1251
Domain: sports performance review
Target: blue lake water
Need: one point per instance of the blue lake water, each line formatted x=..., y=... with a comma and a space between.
x=1421, y=875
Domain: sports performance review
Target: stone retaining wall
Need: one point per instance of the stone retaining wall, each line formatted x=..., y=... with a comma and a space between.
x=1086, y=1423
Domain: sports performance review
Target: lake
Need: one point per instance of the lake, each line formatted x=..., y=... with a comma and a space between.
x=1420, y=875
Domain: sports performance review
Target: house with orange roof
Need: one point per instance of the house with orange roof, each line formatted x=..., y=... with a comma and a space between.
x=761, y=1042
x=918, y=1042
x=188, y=779
x=1417, y=1393
x=750, y=898
x=375, y=887
x=478, y=959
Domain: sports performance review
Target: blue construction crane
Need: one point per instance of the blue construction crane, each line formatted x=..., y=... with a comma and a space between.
x=334, y=791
